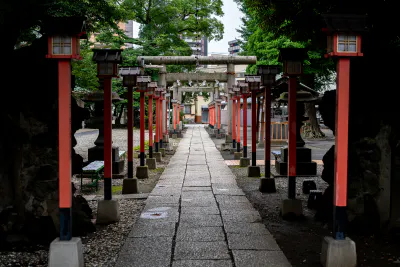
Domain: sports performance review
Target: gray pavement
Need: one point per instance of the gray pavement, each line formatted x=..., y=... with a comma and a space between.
x=198, y=216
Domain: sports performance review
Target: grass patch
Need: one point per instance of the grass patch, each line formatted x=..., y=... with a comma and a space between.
x=146, y=146
x=159, y=169
x=116, y=189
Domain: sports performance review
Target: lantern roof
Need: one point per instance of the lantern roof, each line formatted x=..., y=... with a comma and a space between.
x=293, y=54
x=107, y=55
x=253, y=79
x=125, y=71
x=268, y=69
x=345, y=22
x=66, y=26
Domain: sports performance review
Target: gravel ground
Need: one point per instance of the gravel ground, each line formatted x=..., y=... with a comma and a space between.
x=101, y=248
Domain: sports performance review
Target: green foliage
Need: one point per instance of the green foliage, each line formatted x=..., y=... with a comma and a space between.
x=146, y=146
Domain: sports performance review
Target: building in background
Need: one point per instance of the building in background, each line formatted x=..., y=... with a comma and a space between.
x=234, y=47
x=127, y=27
x=199, y=47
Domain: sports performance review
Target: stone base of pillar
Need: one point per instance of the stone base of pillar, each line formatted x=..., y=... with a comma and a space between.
x=267, y=185
x=244, y=162
x=218, y=136
x=66, y=253
x=291, y=208
x=165, y=138
x=151, y=163
x=142, y=172
x=107, y=211
x=253, y=171
x=174, y=136
x=130, y=186
x=228, y=139
x=338, y=253
x=260, y=144
x=233, y=150
x=162, y=150
x=157, y=156
x=237, y=155
x=225, y=147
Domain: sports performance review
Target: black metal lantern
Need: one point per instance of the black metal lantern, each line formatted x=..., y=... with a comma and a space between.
x=129, y=75
x=244, y=88
x=268, y=73
x=292, y=59
x=107, y=61
x=142, y=83
x=253, y=82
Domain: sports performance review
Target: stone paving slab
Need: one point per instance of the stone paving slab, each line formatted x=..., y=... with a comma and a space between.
x=202, y=263
x=246, y=258
x=201, y=250
x=198, y=216
x=200, y=234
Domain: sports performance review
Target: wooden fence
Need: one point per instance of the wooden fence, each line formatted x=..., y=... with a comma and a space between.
x=279, y=131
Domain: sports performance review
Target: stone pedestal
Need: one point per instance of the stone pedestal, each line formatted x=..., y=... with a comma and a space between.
x=226, y=146
x=291, y=208
x=338, y=253
x=244, y=162
x=228, y=139
x=253, y=171
x=165, y=138
x=151, y=163
x=66, y=253
x=162, y=151
x=107, y=211
x=237, y=155
x=130, y=186
x=267, y=185
x=174, y=136
x=304, y=165
x=142, y=172
x=157, y=156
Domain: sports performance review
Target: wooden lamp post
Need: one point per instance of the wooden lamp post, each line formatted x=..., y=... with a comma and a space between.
x=344, y=42
x=268, y=75
x=160, y=93
x=235, y=98
x=107, y=67
x=237, y=154
x=245, y=93
x=64, y=45
x=254, y=87
x=142, y=83
x=129, y=75
x=292, y=59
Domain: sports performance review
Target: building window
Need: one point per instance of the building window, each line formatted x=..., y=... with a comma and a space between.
x=347, y=43
x=188, y=109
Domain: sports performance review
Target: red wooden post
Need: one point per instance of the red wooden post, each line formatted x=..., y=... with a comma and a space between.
x=219, y=117
x=150, y=123
x=142, y=128
x=233, y=122
x=245, y=126
x=341, y=146
x=157, y=141
x=174, y=115
x=130, y=132
x=107, y=138
x=64, y=147
x=238, y=125
x=160, y=119
x=254, y=123
x=267, y=131
x=292, y=138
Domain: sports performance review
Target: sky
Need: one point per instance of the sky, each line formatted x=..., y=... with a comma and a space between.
x=231, y=21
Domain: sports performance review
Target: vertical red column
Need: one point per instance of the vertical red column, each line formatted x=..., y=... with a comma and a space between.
x=341, y=146
x=150, y=115
x=238, y=125
x=107, y=139
x=219, y=117
x=160, y=119
x=174, y=116
x=233, y=123
x=130, y=132
x=64, y=148
x=267, y=131
x=254, y=123
x=245, y=126
x=292, y=138
x=157, y=124
x=142, y=128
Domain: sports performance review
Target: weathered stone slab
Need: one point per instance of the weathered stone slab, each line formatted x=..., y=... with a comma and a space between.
x=200, y=234
x=245, y=258
x=201, y=250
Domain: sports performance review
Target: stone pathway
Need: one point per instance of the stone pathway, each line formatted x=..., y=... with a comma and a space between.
x=259, y=162
x=197, y=216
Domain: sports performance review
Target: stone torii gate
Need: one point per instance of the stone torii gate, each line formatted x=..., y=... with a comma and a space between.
x=228, y=77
